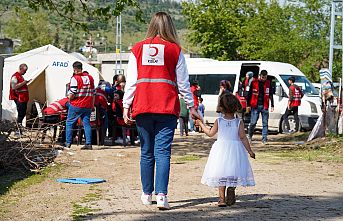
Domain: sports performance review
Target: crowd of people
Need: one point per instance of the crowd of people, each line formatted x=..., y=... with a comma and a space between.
x=82, y=98
x=157, y=94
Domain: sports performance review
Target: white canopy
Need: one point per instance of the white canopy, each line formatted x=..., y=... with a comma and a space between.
x=50, y=70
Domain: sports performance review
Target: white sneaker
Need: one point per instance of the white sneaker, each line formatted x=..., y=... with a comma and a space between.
x=146, y=199
x=162, y=202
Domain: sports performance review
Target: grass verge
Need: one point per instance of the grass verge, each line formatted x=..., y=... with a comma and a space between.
x=186, y=158
x=329, y=149
x=13, y=184
x=81, y=209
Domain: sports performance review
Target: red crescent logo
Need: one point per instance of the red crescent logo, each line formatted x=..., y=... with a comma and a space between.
x=155, y=53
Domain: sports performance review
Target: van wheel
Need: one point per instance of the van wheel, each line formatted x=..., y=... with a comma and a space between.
x=291, y=120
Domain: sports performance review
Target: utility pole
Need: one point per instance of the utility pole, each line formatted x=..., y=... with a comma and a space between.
x=336, y=12
x=118, y=67
x=336, y=15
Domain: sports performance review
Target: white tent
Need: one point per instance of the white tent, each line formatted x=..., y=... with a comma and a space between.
x=50, y=70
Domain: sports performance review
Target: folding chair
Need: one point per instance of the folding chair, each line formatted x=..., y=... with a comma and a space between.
x=95, y=121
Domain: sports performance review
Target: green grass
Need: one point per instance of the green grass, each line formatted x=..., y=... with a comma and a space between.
x=293, y=137
x=186, y=158
x=80, y=210
x=17, y=182
x=331, y=150
x=13, y=185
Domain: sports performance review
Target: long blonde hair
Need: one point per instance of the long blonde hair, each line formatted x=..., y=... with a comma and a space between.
x=162, y=24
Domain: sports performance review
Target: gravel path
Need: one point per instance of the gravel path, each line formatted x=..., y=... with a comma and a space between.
x=285, y=190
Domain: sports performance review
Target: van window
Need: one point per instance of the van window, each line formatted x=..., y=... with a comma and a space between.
x=209, y=83
x=306, y=86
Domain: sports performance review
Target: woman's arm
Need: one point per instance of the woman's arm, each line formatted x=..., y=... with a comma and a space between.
x=182, y=79
x=209, y=131
x=130, y=87
x=131, y=81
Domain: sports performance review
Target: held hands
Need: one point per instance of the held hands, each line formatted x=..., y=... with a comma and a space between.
x=198, y=122
x=194, y=113
x=127, y=120
x=248, y=109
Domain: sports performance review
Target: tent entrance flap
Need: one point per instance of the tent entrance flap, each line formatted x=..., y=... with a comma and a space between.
x=37, y=89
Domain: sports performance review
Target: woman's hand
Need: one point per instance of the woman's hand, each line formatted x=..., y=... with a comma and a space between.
x=127, y=120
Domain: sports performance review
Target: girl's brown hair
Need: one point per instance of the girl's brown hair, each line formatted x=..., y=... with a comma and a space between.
x=162, y=24
x=228, y=103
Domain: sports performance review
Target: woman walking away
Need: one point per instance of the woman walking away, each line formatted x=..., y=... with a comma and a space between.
x=156, y=71
x=228, y=165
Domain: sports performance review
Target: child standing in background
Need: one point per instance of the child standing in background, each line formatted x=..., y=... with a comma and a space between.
x=228, y=165
x=201, y=107
x=183, y=119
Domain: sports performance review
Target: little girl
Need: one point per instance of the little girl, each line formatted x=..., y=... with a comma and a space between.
x=228, y=165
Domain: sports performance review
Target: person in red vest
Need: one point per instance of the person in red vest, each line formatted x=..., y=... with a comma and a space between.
x=81, y=95
x=102, y=97
x=57, y=107
x=258, y=99
x=156, y=71
x=19, y=92
x=294, y=101
x=247, y=81
x=56, y=113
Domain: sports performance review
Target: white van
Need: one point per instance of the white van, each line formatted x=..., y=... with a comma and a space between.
x=210, y=72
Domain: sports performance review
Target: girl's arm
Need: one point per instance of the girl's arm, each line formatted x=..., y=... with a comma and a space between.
x=209, y=132
x=244, y=140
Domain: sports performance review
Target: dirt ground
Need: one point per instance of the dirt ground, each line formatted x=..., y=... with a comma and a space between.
x=285, y=189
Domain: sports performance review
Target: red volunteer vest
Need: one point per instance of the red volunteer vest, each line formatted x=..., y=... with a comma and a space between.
x=21, y=94
x=255, y=93
x=156, y=90
x=246, y=84
x=84, y=96
x=101, y=98
x=242, y=100
x=56, y=107
x=296, y=91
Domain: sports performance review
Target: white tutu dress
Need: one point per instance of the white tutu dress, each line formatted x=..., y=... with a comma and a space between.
x=228, y=163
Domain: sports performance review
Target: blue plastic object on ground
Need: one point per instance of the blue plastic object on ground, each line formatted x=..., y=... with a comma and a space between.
x=81, y=180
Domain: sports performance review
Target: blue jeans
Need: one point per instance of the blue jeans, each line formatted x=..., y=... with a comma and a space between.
x=156, y=132
x=191, y=123
x=74, y=113
x=255, y=113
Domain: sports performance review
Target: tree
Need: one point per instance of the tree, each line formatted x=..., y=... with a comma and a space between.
x=261, y=30
x=215, y=26
x=80, y=12
x=31, y=28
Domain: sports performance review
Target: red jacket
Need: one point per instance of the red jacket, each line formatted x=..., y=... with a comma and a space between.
x=56, y=107
x=101, y=98
x=156, y=90
x=85, y=90
x=255, y=93
x=21, y=94
x=295, y=95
